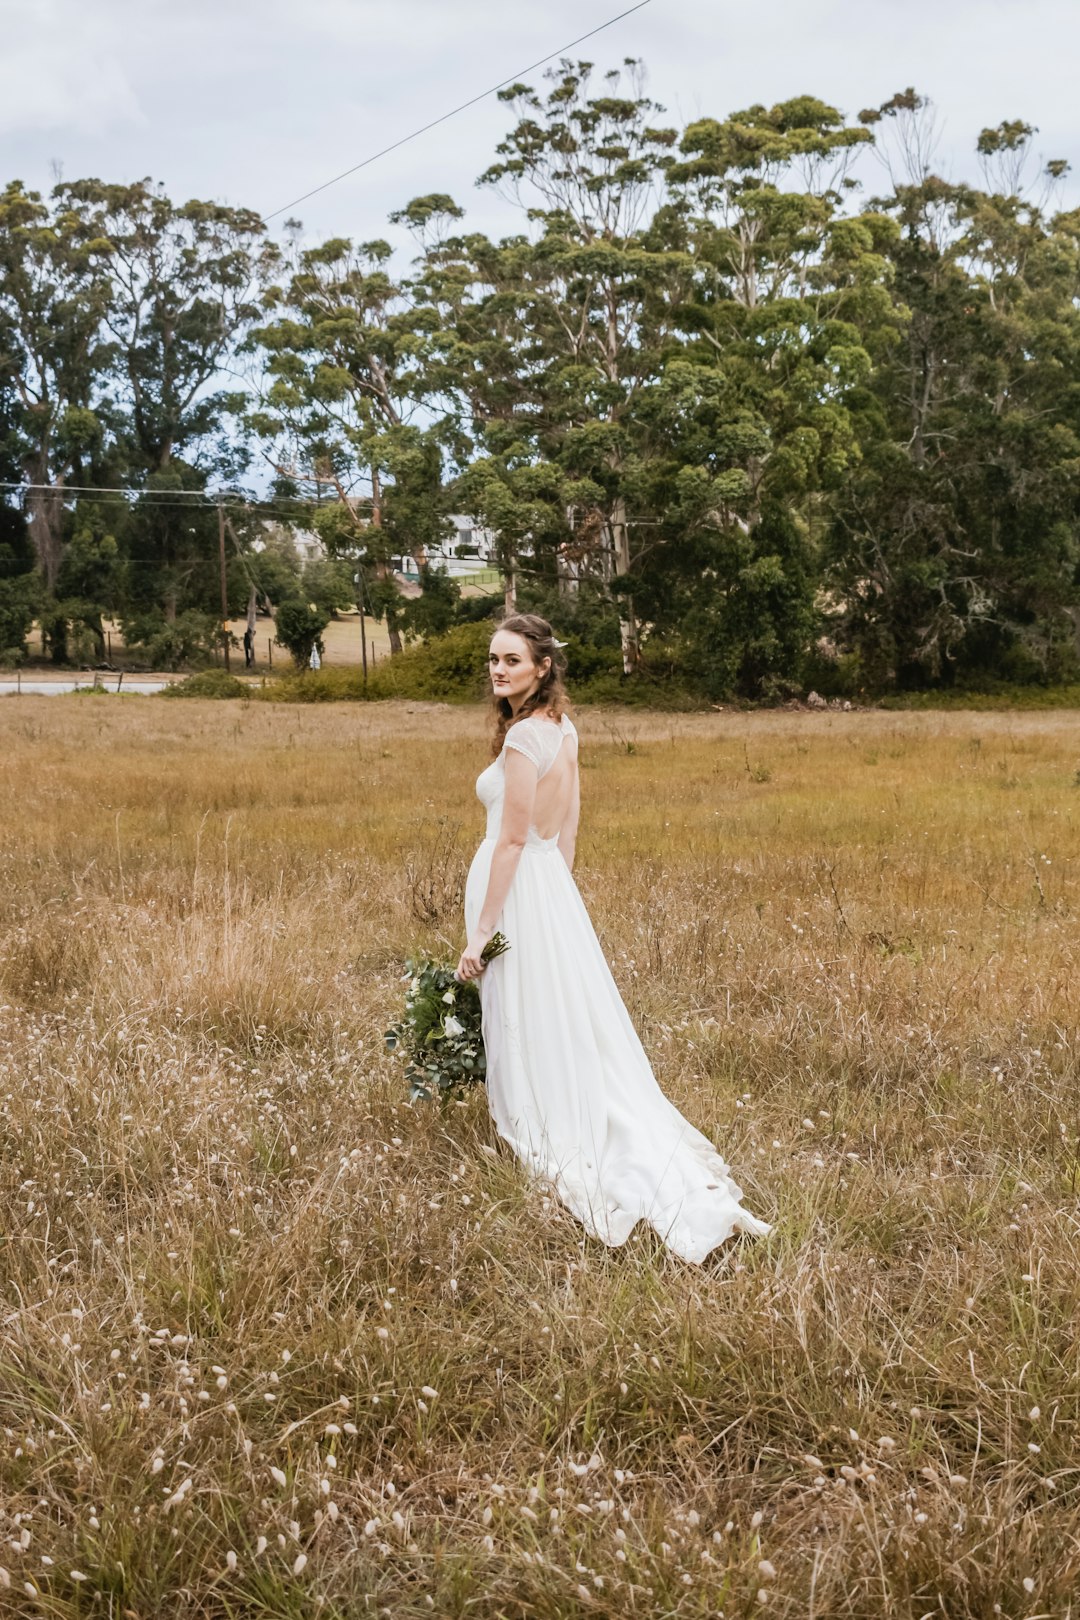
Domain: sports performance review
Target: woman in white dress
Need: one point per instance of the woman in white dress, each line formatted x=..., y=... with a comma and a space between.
x=568, y=1083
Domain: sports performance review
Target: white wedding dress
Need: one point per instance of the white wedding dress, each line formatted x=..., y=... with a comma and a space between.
x=568, y=1083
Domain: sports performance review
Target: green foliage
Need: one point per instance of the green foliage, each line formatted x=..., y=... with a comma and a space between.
x=54, y=356
x=452, y=668
x=208, y=683
x=342, y=359
x=999, y=695
x=748, y=632
x=734, y=427
x=274, y=569
x=447, y=669
x=440, y=1034
x=299, y=626
x=328, y=582
x=432, y=612
x=953, y=548
x=18, y=605
x=191, y=638
x=183, y=290
x=19, y=586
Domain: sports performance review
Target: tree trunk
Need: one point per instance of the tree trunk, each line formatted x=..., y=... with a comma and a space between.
x=509, y=588
x=620, y=548
x=384, y=569
x=566, y=579
x=46, y=513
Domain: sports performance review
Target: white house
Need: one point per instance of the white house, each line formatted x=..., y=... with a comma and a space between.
x=467, y=550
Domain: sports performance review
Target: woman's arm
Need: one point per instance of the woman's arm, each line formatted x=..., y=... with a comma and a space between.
x=568, y=836
x=518, y=801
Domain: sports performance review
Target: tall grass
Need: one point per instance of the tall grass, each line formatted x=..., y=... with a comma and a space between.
x=272, y=1343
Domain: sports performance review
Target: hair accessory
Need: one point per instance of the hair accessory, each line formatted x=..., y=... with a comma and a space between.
x=555, y=643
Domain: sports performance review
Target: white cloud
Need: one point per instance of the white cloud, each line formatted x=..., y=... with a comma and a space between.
x=62, y=72
x=257, y=101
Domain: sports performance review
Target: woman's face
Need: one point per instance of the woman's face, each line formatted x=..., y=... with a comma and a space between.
x=510, y=664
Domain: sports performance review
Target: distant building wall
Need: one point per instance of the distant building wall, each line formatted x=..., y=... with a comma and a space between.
x=467, y=550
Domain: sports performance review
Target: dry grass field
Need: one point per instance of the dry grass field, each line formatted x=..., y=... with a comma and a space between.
x=274, y=1344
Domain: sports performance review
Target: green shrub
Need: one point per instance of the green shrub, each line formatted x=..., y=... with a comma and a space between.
x=299, y=627
x=453, y=669
x=208, y=683
x=18, y=603
x=637, y=692
x=1003, y=696
x=190, y=638
x=446, y=669
x=315, y=686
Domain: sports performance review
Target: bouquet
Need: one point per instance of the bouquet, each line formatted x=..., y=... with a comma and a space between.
x=440, y=1034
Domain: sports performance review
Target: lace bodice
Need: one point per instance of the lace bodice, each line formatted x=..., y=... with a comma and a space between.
x=539, y=739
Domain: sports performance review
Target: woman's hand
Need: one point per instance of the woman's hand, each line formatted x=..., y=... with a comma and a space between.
x=471, y=966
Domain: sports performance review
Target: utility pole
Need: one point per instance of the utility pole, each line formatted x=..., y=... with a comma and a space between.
x=224, y=588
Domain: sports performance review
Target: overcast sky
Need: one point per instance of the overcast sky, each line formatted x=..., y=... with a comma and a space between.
x=255, y=101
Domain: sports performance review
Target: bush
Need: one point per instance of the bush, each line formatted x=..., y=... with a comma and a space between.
x=453, y=669
x=18, y=603
x=446, y=669
x=208, y=683
x=1002, y=696
x=299, y=627
x=190, y=638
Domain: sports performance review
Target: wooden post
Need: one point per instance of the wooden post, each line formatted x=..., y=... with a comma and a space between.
x=249, y=637
x=363, y=625
x=270, y=651
x=224, y=588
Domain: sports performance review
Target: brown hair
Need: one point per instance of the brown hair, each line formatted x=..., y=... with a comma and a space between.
x=550, y=696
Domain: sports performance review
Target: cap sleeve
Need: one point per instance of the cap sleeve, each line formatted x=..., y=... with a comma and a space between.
x=523, y=737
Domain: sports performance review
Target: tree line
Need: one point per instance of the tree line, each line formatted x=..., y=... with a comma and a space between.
x=725, y=403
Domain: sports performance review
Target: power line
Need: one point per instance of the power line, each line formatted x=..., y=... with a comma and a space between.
x=514, y=77
x=226, y=496
x=285, y=508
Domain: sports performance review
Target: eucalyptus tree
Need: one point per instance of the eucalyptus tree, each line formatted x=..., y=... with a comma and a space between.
x=54, y=292
x=186, y=281
x=19, y=584
x=955, y=543
x=344, y=391
x=550, y=336
x=752, y=420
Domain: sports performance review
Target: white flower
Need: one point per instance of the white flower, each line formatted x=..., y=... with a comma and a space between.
x=451, y=1026
x=449, y=998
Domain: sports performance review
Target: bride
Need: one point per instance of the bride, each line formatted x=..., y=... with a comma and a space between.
x=568, y=1083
